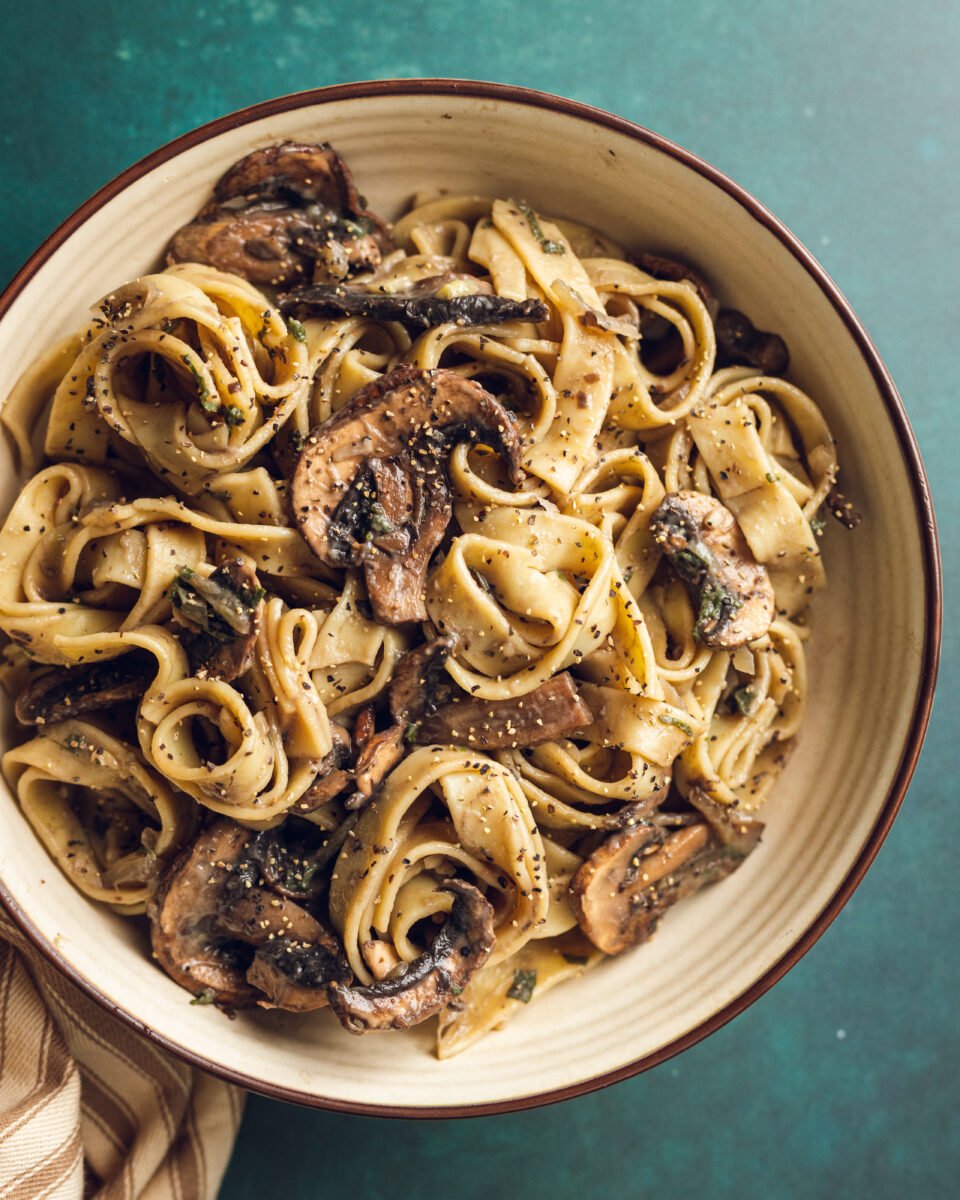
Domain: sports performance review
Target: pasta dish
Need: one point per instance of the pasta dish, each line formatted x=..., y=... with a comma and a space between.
x=403, y=618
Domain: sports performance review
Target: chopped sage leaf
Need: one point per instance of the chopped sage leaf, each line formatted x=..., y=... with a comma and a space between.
x=206, y=400
x=547, y=245
x=744, y=698
x=669, y=719
x=379, y=521
x=522, y=987
x=297, y=331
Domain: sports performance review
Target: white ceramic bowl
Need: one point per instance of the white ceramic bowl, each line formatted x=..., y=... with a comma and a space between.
x=873, y=656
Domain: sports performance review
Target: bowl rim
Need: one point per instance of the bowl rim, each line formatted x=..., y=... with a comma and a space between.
x=923, y=504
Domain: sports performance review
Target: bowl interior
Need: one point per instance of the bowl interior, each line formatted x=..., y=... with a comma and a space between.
x=866, y=654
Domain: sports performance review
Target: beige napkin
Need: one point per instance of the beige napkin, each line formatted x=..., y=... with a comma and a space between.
x=88, y=1108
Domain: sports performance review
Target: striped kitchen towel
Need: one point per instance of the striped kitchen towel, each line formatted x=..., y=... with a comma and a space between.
x=88, y=1108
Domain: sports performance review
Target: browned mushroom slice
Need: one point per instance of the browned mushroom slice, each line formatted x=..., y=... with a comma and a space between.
x=305, y=172
x=284, y=214
x=553, y=710
x=374, y=762
x=394, y=578
x=623, y=889
x=266, y=247
x=731, y=826
x=707, y=549
x=427, y=985
x=333, y=773
x=222, y=616
x=256, y=915
x=411, y=418
x=740, y=342
x=420, y=307
x=69, y=691
x=295, y=977
x=184, y=914
x=420, y=684
x=364, y=726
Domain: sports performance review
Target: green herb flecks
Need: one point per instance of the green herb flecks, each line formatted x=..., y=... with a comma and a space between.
x=669, y=719
x=214, y=605
x=76, y=743
x=233, y=415
x=379, y=521
x=744, y=698
x=410, y=733
x=296, y=441
x=547, y=245
x=717, y=606
x=210, y=403
x=691, y=565
x=207, y=996
x=297, y=331
x=522, y=987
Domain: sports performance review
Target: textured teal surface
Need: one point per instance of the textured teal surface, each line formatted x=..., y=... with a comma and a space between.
x=843, y=118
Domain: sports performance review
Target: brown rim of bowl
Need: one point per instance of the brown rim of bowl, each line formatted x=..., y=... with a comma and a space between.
x=921, y=496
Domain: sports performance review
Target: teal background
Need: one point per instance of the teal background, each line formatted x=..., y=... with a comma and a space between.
x=843, y=118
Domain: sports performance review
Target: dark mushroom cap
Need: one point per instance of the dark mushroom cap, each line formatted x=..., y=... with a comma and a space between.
x=222, y=616
x=731, y=826
x=623, y=889
x=380, y=754
x=420, y=683
x=553, y=710
x=412, y=419
x=419, y=308
x=295, y=978
x=221, y=929
x=740, y=342
x=89, y=687
x=284, y=214
x=184, y=916
x=428, y=985
x=707, y=549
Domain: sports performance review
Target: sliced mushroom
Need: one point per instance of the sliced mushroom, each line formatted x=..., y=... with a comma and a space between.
x=294, y=977
x=333, y=774
x=740, y=342
x=69, y=691
x=185, y=912
x=429, y=984
x=376, y=760
x=284, y=214
x=731, y=826
x=394, y=579
x=420, y=684
x=257, y=915
x=222, y=615
x=364, y=726
x=553, y=710
x=623, y=889
x=707, y=549
x=412, y=419
x=420, y=307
